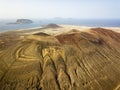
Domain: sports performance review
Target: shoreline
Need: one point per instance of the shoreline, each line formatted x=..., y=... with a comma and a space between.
x=117, y=29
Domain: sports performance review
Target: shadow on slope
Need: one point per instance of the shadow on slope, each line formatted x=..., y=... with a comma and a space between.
x=70, y=61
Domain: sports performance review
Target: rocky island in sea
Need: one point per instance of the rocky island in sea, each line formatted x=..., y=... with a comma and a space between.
x=22, y=21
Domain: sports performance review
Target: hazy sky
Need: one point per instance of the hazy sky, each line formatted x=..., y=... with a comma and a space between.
x=83, y=9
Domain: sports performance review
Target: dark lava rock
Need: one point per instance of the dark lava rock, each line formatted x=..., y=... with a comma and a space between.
x=21, y=21
x=52, y=26
x=24, y=21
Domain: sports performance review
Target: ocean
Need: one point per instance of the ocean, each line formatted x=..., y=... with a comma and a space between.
x=4, y=26
x=38, y=23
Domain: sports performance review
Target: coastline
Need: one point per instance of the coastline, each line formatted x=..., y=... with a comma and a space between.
x=66, y=28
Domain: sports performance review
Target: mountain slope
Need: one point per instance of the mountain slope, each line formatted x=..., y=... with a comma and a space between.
x=75, y=60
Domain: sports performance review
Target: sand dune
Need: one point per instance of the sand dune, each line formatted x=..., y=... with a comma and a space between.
x=67, y=58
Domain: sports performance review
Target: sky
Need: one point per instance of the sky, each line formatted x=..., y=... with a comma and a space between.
x=82, y=9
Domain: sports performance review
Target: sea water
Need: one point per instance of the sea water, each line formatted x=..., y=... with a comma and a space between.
x=4, y=26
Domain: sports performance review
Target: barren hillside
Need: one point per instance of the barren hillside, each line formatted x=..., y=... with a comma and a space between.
x=71, y=60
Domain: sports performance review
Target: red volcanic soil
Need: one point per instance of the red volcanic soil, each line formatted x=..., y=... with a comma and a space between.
x=107, y=33
x=97, y=36
x=78, y=36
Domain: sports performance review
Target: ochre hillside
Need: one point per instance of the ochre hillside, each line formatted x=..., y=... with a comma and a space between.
x=72, y=60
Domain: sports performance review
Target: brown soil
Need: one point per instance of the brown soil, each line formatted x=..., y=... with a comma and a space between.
x=70, y=61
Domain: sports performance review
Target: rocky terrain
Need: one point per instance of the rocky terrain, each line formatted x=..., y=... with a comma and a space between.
x=22, y=21
x=64, y=58
x=52, y=25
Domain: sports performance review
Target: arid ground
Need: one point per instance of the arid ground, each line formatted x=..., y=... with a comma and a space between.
x=60, y=58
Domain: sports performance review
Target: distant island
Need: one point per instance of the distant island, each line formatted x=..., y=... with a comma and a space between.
x=52, y=25
x=22, y=21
